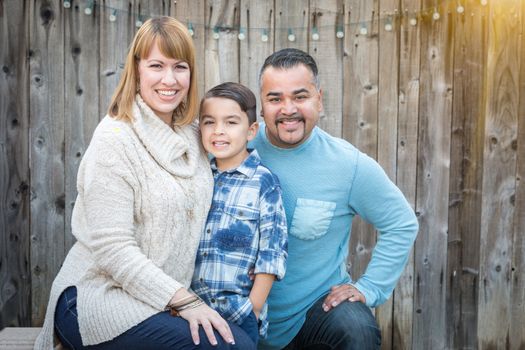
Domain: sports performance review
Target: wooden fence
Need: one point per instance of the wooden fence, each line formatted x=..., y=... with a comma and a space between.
x=435, y=90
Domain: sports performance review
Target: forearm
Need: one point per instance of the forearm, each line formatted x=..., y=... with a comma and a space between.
x=260, y=290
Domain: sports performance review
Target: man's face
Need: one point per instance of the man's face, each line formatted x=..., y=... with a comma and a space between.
x=290, y=105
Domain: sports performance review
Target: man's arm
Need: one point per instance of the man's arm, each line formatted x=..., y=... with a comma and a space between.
x=378, y=201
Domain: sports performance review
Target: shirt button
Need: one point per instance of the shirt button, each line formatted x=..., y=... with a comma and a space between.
x=204, y=254
x=219, y=184
x=212, y=300
x=201, y=279
x=208, y=230
x=241, y=213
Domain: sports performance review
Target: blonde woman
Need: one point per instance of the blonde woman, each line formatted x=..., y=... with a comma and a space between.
x=144, y=189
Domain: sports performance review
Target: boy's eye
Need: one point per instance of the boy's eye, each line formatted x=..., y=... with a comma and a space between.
x=233, y=122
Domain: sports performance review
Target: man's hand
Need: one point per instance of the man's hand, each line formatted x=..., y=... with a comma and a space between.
x=340, y=293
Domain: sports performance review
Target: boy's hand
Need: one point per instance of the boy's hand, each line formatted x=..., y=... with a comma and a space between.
x=340, y=293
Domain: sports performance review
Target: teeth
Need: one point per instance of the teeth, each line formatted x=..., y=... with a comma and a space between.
x=167, y=92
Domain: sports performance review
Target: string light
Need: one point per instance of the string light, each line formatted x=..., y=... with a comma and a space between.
x=388, y=25
x=190, y=29
x=484, y=2
x=413, y=21
x=67, y=4
x=264, y=36
x=363, y=30
x=315, y=34
x=242, y=34
x=291, y=35
x=216, y=35
x=113, y=16
x=460, y=9
x=340, y=32
x=138, y=21
x=89, y=8
x=436, y=16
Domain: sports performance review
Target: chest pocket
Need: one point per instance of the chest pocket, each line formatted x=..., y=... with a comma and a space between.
x=311, y=218
x=238, y=228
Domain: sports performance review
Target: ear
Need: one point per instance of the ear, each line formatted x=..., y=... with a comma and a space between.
x=320, y=107
x=252, y=131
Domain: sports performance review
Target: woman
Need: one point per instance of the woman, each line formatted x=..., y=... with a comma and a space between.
x=144, y=188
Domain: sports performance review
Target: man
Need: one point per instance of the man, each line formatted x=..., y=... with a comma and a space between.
x=326, y=182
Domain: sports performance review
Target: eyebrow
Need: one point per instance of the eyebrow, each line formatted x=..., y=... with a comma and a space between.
x=295, y=92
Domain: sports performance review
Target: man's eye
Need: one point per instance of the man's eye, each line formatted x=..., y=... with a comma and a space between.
x=275, y=99
x=301, y=97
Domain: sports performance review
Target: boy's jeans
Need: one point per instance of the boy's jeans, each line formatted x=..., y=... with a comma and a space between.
x=160, y=331
x=348, y=326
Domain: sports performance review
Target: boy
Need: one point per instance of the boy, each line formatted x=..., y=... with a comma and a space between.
x=246, y=226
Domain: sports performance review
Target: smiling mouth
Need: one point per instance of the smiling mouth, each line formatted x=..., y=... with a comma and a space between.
x=167, y=92
x=289, y=120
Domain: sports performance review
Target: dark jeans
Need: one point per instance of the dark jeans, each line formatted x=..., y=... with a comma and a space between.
x=348, y=326
x=160, y=331
x=251, y=326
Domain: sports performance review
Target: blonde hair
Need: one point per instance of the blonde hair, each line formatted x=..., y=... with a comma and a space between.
x=173, y=41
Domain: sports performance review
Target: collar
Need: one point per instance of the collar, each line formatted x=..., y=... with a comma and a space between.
x=177, y=150
x=248, y=167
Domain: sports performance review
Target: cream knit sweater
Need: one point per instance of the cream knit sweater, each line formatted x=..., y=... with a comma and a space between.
x=143, y=195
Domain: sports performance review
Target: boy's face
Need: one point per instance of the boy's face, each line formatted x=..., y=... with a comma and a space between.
x=225, y=130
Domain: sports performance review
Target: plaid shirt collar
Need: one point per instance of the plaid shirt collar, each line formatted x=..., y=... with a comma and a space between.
x=248, y=167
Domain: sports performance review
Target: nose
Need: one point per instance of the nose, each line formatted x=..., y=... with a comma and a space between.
x=169, y=77
x=218, y=130
x=288, y=107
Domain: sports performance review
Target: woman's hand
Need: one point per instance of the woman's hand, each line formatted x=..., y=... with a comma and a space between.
x=209, y=319
x=340, y=293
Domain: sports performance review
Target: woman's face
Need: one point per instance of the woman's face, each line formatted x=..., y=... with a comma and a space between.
x=164, y=83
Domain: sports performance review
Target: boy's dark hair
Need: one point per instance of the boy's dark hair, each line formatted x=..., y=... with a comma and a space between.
x=238, y=93
x=289, y=58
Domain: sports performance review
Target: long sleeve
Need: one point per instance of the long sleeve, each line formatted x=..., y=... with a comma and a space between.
x=107, y=190
x=378, y=201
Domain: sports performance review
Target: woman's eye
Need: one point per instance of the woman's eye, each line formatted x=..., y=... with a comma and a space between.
x=155, y=65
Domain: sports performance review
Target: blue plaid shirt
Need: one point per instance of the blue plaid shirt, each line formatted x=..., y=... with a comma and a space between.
x=246, y=229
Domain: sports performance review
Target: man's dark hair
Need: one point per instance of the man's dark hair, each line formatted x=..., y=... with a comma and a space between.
x=238, y=93
x=289, y=58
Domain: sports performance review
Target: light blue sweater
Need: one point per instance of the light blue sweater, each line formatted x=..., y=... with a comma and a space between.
x=326, y=182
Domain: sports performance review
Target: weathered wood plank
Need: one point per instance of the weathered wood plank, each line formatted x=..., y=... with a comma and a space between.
x=360, y=97
x=328, y=52
x=46, y=63
x=115, y=38
x=387, y=122
x=407, y=146
x=81, y=115
x=15, y=293
x=517, y=320
x=466, y=152
x=257, y=18
x=191, y=13
x=291, y=18
x=437, y=48
x=222, y=44
x=499, y=175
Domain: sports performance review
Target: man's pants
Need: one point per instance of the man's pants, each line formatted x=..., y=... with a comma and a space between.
x=160, y=331
x=348, y=326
